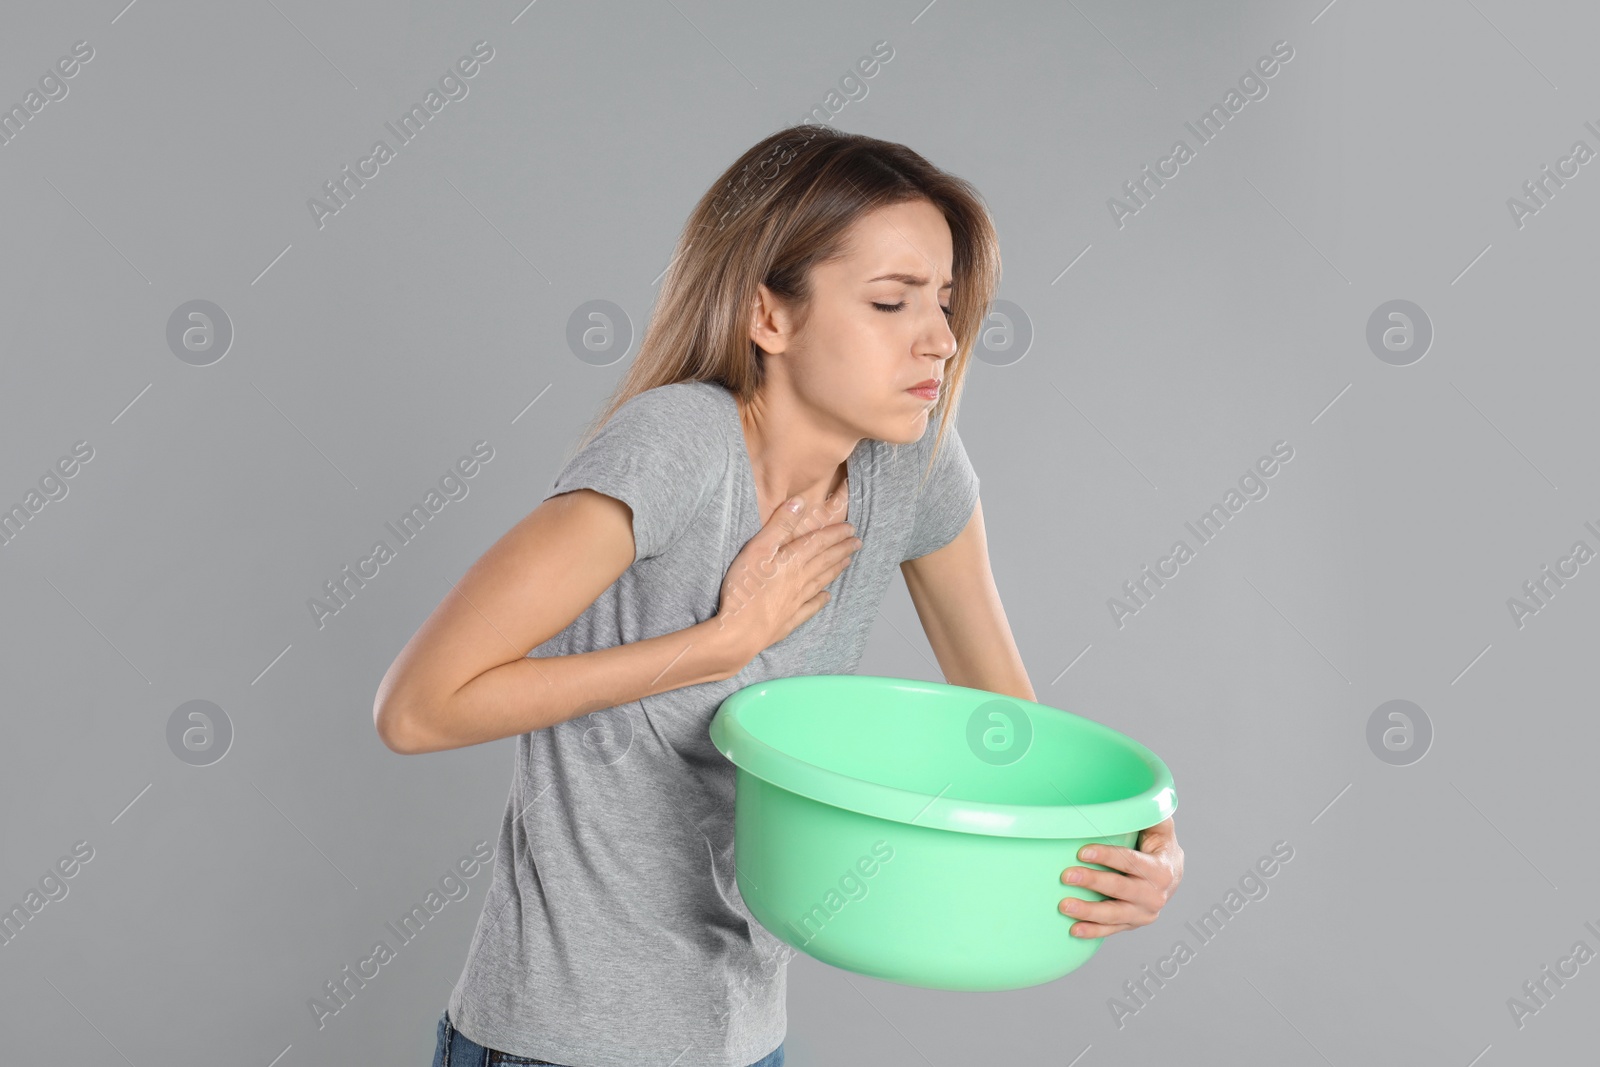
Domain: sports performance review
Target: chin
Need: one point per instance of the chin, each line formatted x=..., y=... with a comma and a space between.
x=906, y=430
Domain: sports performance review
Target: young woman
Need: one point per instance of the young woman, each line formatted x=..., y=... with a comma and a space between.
x=735, y=514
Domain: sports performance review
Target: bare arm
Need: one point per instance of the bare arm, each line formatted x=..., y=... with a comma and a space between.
x=955, y=596
x=465, y=677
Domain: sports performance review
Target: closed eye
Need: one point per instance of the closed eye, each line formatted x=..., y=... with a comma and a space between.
x=948, y=312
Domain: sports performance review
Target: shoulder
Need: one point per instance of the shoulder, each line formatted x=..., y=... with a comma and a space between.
x=690, y=404
x=680, y=425
x=663, y=453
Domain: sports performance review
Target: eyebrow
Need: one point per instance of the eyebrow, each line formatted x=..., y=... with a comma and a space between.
x=905, y=279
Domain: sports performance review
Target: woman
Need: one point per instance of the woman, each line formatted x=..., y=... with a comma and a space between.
x=734, y=515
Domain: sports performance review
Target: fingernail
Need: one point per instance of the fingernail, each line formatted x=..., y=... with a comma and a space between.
x=1088, y=854
x=794, y=504
x=1074, y=875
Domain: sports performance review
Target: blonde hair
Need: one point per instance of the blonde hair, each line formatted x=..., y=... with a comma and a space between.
x=784, y=206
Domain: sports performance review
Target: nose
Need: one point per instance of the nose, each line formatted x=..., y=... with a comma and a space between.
x=941, y=341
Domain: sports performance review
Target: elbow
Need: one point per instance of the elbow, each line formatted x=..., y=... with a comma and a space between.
x=402, y=715
x=396, y=727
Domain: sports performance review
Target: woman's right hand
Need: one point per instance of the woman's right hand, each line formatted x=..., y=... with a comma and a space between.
x=779, y=579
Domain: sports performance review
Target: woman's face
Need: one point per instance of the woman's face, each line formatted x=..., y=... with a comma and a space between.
x=878, y=326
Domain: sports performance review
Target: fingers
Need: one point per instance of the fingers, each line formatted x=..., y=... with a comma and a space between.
x=1106, y=883
x=1112, y=915
x=1122, y=859
x=822, y=556
x=828, y=509
x=1086, y=929
x=786, y=521
x=810, y=515
x=1129, y=902
x=810, y=544
x=831, y=551
x=819, y=516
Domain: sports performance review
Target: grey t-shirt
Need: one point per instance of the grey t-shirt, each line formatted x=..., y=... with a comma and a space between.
x=613, y=933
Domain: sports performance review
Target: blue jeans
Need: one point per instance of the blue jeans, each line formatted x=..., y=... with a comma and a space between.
x=455, y=1049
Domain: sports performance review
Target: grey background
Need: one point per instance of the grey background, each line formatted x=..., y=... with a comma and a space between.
x=432, y=312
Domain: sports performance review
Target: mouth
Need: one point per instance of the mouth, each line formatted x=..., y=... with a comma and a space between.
x=928, y=390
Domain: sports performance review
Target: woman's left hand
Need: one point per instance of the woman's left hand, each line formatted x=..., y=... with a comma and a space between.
x=1133, y=898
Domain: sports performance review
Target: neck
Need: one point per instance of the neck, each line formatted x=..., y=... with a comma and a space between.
x=792, y=452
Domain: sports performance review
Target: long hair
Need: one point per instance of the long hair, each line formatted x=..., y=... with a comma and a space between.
x=784, y=206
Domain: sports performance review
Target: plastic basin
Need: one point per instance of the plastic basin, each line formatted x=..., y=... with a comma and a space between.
x=916, y=831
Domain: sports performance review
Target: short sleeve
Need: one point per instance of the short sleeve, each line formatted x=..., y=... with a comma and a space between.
x=944, y=504
x=660, y=455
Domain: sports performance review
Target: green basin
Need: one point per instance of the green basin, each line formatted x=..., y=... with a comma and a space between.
x=917, y=831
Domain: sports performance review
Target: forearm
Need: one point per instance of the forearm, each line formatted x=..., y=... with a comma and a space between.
x=1007, y=677
x=986, y=658
x=531, y=693
x=968, y=631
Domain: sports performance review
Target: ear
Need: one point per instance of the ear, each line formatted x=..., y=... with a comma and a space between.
x=771, y=327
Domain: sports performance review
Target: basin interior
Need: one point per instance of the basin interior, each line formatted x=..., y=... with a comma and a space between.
x=949, y=741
